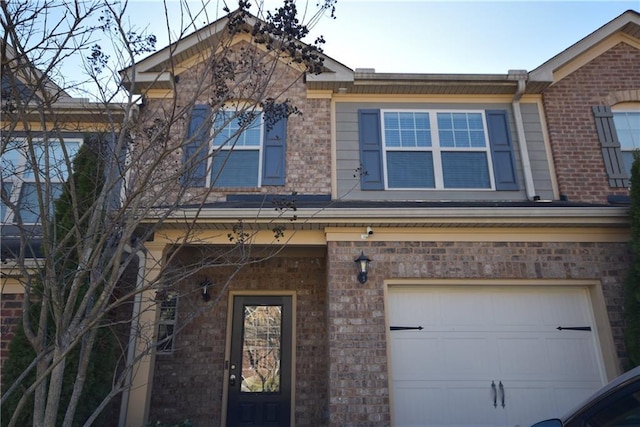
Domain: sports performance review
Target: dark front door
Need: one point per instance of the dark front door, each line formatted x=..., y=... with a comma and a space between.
x=259, y=372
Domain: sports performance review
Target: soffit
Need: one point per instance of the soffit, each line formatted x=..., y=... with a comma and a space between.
x=427, y=84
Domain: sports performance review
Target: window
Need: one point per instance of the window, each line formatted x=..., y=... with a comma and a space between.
x=167, y=323
x=237, y=146
x=436, y=150
x=230, y=149
x=19, y=169
x=627, y=123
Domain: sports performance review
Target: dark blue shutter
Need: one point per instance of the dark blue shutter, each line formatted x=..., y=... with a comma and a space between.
x=504, y=163
x=610, y=146
x=196, y=149
x=274, y=148
x=372, y=177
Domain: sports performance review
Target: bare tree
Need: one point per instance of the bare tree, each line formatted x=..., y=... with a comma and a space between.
x=86, y=183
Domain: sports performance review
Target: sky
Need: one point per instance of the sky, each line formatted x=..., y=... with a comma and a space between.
x=424, y=36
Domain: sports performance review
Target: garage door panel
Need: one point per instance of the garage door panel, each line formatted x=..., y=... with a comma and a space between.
x=467, y=357
x=409, y=307
x=440, y=406
x=566, y=308
x=475, y=335
x=515, y=310
x=573, y=358
x=464, y=309
x=512, y=351
x=416, y=359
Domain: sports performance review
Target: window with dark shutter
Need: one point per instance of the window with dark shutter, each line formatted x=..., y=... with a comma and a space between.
x=610, y=146
x=434, y=149
x=243, y=144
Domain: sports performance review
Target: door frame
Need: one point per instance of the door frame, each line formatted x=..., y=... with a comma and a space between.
x=227, y=351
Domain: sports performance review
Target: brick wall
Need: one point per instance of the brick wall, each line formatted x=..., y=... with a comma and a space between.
x=308, y=155
x=359, y=383
x=576, y=151
x=10, y=313
x=188, y=383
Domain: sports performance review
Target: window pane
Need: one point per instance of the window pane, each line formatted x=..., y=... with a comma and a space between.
x=165, y=337
x=28, y=205
x=261, y=349
x=235, y=168
x=6, y=190
x=628, y=130
x=243, y=130
x=410, y=169
x=168, y=307
x=465, y=170
x=461, y=130
x=407, y=129
x=51, y=161
x=10, y=161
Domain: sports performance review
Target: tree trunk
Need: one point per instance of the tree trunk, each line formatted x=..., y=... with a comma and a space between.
x=55, y=386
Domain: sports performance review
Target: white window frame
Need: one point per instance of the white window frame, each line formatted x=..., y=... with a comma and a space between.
x=169, y=346
x=21, y=167
x=633, y=107
x=229, y=146
x=437, y=150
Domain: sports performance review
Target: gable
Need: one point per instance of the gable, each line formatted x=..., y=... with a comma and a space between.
x=159, y=70
x=623, y=29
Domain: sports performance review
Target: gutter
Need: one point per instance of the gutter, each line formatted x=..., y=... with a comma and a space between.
x=521, y=76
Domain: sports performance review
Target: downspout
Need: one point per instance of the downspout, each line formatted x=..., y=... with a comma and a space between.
x=521, y=76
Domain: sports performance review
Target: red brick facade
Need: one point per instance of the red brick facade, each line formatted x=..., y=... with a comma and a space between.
x=188, y=383
x=359, y=392
x=576, y=150
x=11, y=314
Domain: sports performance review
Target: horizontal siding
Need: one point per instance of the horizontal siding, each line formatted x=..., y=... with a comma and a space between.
x=348, y=155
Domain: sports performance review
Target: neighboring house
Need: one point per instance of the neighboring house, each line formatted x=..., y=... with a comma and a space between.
x=37, y=110
x=493, y=214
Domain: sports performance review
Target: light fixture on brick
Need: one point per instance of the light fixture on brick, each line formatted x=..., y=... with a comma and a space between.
x=204, y=289
x=362, y=262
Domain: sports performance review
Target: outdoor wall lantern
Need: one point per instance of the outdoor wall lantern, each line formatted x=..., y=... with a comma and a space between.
x=362, y=262
x=204, y=290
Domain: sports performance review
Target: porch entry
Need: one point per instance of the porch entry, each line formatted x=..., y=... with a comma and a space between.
x=259, y=368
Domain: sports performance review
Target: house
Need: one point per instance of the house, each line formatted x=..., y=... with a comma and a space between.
x=35, y=110
x=491, y=208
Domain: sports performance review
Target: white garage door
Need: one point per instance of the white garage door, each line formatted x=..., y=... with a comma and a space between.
x=490, y=356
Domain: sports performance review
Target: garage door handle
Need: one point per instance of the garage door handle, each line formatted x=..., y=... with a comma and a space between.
x=501, y=388
x=494, y=393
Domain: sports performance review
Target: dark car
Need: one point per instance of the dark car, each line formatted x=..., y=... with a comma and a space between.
x=616, y=404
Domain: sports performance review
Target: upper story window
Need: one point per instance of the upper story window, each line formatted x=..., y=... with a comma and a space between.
x=235, y=149
x=432, y=149
x=436, y=149
x=237, y=146
x=627, y=122
x=23, y=166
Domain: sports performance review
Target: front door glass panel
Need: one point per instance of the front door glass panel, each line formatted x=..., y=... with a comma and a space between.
x=261, y=349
